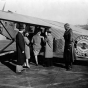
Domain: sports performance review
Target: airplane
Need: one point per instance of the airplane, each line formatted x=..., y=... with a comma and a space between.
x=8, y=21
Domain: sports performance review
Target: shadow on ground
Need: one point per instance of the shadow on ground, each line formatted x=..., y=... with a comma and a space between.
x=10, y=61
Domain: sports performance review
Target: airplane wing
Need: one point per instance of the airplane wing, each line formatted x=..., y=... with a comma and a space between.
x=13, y=17
x=21, y=18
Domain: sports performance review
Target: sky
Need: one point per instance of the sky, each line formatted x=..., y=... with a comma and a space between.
x=74, y=12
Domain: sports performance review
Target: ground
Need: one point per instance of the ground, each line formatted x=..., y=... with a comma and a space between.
x=43, y=77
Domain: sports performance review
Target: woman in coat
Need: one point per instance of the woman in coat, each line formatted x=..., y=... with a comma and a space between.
x=48, y=48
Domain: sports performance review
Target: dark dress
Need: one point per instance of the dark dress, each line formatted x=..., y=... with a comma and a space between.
x=20, y=46
x=68, y=48
x=49, y=50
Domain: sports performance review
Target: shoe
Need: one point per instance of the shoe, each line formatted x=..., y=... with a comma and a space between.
x=36, y=64
x=19, y=73
x=68, y=69
x=28, y=66
x=71, y=66
x=44, y=65
x=25, y=67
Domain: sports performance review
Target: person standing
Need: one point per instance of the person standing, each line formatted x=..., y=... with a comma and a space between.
x=27, y=49
x=20, y=48
x=48, y=48
x=36, y=40
x=68, y=48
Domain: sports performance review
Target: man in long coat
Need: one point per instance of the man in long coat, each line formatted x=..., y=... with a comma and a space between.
x=20, y=48
x=69, y=47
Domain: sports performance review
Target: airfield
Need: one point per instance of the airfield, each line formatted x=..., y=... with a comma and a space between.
x=39, y=76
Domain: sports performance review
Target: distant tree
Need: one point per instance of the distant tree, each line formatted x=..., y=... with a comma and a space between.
x=85, y=27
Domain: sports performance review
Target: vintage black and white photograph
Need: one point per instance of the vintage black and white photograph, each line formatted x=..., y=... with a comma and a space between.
x=43, y=43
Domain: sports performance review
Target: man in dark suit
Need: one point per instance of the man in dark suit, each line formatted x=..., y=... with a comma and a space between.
x=20, y=47
x=68, y=48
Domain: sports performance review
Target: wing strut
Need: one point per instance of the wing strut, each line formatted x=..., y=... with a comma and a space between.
x=10, y=39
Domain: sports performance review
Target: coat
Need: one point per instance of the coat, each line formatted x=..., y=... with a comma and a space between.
x=69, y=54
x=49, y=46
x=20, y=46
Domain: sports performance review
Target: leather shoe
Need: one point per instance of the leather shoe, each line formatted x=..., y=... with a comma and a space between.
x=68, y=69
